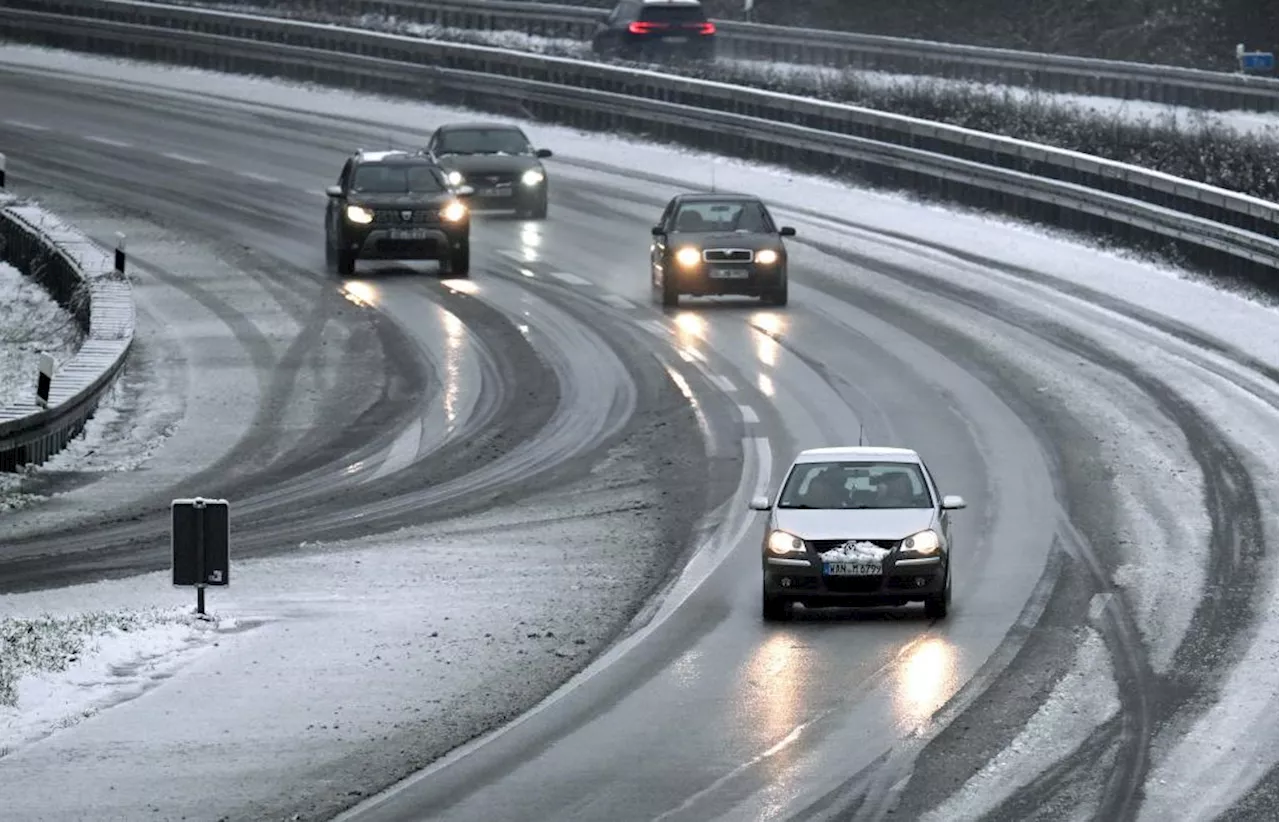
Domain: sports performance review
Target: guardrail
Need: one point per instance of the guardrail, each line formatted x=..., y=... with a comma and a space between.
x=1209, y=225
x=755, y=41
x=83, y=278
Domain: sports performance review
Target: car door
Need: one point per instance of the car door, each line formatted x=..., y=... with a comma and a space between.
x=944, y=516
x=333, y=211
x=658, y=246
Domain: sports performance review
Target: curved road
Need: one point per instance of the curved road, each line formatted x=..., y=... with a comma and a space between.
x=554, y=348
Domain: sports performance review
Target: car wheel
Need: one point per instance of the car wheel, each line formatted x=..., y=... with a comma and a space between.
x=346, y=263
x=774, y=609
x=936, y=606
x=778, y=294
x=539, y=212
x=459, y=264
x=670, y=293
x=330, y=255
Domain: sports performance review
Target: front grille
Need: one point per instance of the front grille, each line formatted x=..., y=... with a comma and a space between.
x=492, y=179
x=824, y=545
x=395, y=216
x=727, y=255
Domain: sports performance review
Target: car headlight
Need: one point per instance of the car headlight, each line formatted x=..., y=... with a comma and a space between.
x=926, y=542
x=359, y=214
x=767, y=256
x=455, y=178
x=532, y=177
x=688, y=257
x=454, y=212
x=780, y=542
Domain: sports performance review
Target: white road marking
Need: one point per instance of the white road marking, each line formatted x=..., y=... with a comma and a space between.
x=618, y=301
x=748, y=413
x=26, y=125
x=658, y=326
x=182, y=158
x=571, y=279
x=518, y=256
x=758, y=462
x=403, y=451
x=261, y=178
x=108, y=141
x=721, y=382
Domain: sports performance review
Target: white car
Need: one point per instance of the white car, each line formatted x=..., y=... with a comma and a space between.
x=857, y=526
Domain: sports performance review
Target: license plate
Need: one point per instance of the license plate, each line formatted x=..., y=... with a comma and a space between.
x=495, y=192
x=409, y=233
x=677, y=39
x=729, y=273
x=850, y=569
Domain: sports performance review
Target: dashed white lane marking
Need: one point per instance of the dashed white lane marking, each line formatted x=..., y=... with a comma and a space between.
x=571, y=279
x=182, y=158
x=617, y=301
x=748, y=413
x=26, y=125
x=108, y=141
x=261, y=178
x=723, y=383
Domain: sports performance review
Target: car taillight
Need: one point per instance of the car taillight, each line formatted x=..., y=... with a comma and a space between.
x=707, y=28
x=643, y=28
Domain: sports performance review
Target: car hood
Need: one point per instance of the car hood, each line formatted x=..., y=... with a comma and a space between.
x=726, y=239
x=861, y=523
x=484, y=163
x=377, y=201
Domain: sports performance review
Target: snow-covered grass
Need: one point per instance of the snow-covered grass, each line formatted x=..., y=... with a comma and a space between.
x=31, y=323
x=1234, y=150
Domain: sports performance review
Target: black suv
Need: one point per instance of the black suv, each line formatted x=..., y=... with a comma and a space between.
x=638, y=29
x=396, y=205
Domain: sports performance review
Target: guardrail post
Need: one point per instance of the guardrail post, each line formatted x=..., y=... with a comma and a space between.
x=120, y=255
x=45, y=381
x=2, y=163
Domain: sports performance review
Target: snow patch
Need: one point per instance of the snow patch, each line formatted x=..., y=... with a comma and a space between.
x=1085, y=698
x=31, y=323
x=854, y=552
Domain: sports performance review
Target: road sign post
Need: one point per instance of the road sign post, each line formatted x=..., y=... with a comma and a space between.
x=201, y=543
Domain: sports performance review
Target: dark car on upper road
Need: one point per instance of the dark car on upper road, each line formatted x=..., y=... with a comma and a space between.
x=396, y=205
x=498, y=161
x=654, y=29
x=857, y=526
x=718, y=244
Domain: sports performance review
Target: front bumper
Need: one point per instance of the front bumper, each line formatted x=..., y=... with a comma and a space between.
x=419, y=243
x=800, y=579
x=710, y=279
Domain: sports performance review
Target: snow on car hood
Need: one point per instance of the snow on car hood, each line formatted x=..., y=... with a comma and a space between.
x=863, y=523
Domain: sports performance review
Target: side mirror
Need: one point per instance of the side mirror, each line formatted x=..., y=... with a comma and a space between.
x=543, y=153
x=952, y=502
x=464, y=191
x=657, y=231
x=333, y=191
x=759, y=504
x=787, y=231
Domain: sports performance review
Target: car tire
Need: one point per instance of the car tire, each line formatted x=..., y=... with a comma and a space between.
x=346, y=262
x=539, y=212
x=330, y=255
x=778, y=294
x=937, y=605
x=459, y=264
x=774, y=609
x=670, y=293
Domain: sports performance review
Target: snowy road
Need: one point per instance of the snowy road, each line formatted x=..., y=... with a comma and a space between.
x=1115, y=618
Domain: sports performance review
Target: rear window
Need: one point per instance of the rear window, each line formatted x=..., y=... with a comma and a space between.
x=676, y=14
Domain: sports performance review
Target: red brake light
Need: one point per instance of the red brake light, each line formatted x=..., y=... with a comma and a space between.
x=642, y=27
x=708, y=28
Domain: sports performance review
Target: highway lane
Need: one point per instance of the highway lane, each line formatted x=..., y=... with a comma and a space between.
x=715, y=714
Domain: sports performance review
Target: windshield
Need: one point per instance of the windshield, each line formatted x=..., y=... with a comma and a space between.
x=483, y=141
x=396, y=179
x=839, y=485
x=723, y=216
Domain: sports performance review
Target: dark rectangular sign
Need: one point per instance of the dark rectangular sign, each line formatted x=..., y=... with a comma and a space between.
x=201, y=536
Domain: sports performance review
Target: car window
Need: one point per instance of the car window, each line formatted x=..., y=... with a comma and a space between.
x=831, y=485
x=396, y=179
x=483, y=141
x=675, y=14
x=722, y=215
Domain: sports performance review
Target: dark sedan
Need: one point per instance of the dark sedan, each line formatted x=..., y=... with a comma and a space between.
x=718, y=244
x=496, y=160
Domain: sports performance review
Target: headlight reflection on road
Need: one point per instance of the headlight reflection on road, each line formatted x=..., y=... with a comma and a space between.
x=689, y=328
x=361, y=293
x=765, y=384
x=775, y=692
x=461, y=286
x=925, y=679
x=454, y=331
x=530, y=241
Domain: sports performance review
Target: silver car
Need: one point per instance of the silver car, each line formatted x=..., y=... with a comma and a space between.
x=857, y=526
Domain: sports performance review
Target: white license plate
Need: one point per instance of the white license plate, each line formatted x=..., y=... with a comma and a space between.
x=409, y=233
x=495, y=192
x=850, y=569
x=729, y=273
